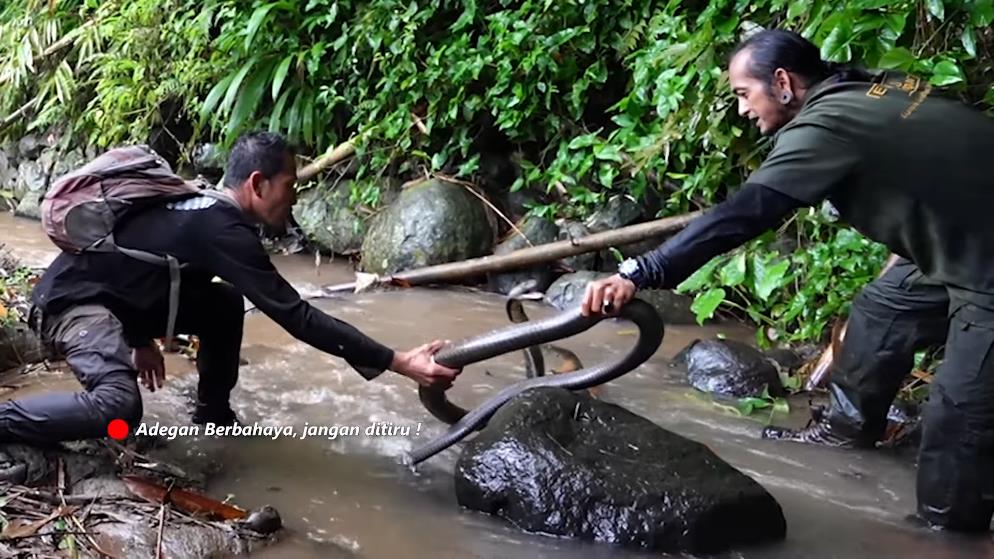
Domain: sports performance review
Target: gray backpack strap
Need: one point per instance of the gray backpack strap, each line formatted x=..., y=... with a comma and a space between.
x=174, y=276
x=174, y=284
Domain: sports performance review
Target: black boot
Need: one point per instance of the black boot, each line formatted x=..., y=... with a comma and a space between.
x=218, y=415
x=822, y=430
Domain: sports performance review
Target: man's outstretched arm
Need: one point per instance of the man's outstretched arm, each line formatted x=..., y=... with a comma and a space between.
x=748, y=213
x=236, y=256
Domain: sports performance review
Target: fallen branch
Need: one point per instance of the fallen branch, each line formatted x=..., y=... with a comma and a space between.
x=332, y=156
x=524, y=258
x=14, y=116
x=162, y=525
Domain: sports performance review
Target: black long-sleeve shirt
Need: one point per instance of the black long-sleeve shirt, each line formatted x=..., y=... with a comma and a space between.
x=751, y=211
x=214, y=239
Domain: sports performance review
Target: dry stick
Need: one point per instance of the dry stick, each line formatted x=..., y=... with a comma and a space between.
x=89, y=538
x=12, y=117
x=530, y=256
x=162, y=525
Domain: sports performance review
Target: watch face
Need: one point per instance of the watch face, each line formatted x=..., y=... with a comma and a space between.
x=628, y=267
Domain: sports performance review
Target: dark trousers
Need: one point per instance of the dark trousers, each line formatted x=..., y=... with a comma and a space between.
x=893, y=317
x=91, y=339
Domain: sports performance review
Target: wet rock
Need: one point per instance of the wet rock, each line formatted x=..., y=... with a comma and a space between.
x=30, y=146
x=32, y=182
x=265, y=520
x=618, y=212
x=19, y=346
x=516, y=204
x=81, y=460
x=570, y=230
x=729, y=368
x=567, y=292
x=433, y=222
x=30, y=178
x=136, y=535
x=209, y=161
x=786, y=359
x=674, y=308
x=66, y=163
x=561, y=463
x=128, y=524
x=8, y=173
x=537, y=230
x=47, y=161
x=327, y=220
x=30, y=206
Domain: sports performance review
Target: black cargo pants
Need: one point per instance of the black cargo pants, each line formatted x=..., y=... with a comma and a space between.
x=91, y=339
x=893, y=317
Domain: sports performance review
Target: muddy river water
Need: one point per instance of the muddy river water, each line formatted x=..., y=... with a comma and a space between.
x=348, y=496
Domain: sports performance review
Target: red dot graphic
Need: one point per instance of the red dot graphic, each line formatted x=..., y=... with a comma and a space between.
x=117, y=429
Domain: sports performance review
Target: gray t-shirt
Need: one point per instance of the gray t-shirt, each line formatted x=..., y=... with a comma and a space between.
x=907, y=168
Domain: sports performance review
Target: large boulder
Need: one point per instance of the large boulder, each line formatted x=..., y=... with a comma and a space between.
x=618, y=212
x=328, y=221
x=30, y=178
x=30, y=146
x=561, y=463
x=567, y=292
x=32, y=182
x=433, y=222
x=729, y=368
x=538, y=231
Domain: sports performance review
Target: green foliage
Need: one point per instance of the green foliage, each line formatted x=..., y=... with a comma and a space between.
x=750, y=406
x=595, y=97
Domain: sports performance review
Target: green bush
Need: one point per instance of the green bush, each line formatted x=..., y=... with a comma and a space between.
x=596, y=98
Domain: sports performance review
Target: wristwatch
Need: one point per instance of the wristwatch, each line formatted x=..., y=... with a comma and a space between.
x=631, y=271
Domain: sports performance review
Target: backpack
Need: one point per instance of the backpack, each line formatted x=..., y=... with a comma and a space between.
x=82, y=209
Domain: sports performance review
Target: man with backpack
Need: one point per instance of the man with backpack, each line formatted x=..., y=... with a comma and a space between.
x=140, y=251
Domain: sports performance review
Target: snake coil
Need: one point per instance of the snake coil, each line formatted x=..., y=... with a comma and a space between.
x=521, y=336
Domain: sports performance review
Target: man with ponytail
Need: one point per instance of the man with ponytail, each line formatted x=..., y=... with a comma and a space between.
x=911, y=169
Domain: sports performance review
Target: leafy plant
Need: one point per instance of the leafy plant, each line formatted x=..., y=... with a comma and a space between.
x=749, y=406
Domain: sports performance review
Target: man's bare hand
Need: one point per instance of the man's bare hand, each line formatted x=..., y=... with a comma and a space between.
x=611, y=292
x=419, y=365
x=150, y=365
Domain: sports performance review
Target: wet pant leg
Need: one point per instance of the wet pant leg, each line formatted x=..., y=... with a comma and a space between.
x=91, y=340
x=215, y=313
x=892, y=318
x=955, y=483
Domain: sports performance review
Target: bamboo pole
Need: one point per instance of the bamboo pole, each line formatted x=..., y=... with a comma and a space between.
x=526, y=257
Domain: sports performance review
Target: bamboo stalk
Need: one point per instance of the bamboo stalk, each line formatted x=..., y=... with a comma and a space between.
x=338, y=153
x=527, y=257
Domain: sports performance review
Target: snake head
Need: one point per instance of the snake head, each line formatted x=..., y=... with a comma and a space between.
x=525, y=290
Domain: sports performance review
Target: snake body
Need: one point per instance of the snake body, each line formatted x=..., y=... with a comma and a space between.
x=521, y=336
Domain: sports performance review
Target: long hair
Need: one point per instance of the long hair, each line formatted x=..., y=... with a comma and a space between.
x=776, y=48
